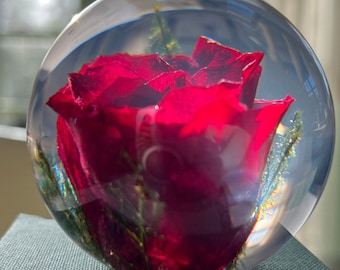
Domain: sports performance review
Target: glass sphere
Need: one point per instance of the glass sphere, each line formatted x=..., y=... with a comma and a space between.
x=149, y=148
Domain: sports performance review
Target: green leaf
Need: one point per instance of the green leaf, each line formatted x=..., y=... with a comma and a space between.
x=55, y=186
x=279, y=155
x=161, y=38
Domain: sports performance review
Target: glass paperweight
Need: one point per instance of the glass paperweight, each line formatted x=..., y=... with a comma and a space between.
x=180, y=134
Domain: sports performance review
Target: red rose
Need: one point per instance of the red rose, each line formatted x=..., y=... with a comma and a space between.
x=170, y=150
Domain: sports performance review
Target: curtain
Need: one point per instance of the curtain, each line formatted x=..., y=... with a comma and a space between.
x=319, y=22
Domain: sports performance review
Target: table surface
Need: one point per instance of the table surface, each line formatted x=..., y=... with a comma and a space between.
x=36, y=243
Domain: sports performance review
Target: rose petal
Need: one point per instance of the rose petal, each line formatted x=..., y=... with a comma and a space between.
x=98, y=144
x=70, y=157
x=179, y=106
x=87, y=87
x=200, y=236
x=168, y=81
x=95, y=78
x=63, y=103
x=250, y=82
x=251, y=71
x=269, y=116
x=207, y=51
x=183, y=62
x=213, y=118
x=143, y=66
x=260, y=123
x=207, y=77
x=243, y=69
x=129, y=92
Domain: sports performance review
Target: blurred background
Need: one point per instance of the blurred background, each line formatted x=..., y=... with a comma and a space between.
x=27, y=30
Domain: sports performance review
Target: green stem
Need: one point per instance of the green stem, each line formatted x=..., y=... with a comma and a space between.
x=140, y=205
x=161, y=27
x=55, y=185
x=290, y=138
x=161, y=38
x=142, y=232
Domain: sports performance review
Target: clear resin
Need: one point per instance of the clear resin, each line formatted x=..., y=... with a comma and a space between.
x=181, y=134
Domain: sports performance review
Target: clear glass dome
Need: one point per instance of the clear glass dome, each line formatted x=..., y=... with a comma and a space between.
x=94, y=212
